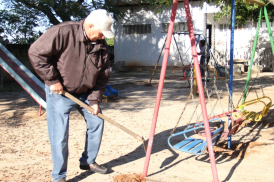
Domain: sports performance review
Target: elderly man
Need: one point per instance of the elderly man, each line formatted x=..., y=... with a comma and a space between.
x=73, y=56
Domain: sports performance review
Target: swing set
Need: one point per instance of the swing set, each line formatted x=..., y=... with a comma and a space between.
x=213, y=127
x=264, y=100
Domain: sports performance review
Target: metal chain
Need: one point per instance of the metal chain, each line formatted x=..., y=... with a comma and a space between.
x=214, y=77
x=191, y=75
x=195, y=111
x=206, y=75
x=206, y=48
x=190, y=95
x=172, y=132
x=193, y=99
x=219, y=97
x=258, y=71
x=214, y=24
x=252, y=81
x=257, y=62
x=249, y=90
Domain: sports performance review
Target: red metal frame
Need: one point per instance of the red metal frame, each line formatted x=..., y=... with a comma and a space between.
x=200, y=89
x=230, y=130
x=160, y=87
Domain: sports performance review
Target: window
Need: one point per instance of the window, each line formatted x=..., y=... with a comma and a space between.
x=223, y=27
x=178, y=27
x=137, y=29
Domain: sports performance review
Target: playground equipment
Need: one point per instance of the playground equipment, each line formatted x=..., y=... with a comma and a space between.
x=186, y=75
x=110, y=92
x=161, y=54
x=200, y=86
x=33, y=86
x=24, y=77
x=28, y=81
x=256, y=116
x=195, y=144
x=251, y=115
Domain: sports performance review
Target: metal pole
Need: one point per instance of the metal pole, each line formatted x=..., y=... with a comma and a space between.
x=231, y=64
x=157, y=61
x=180, y=54
x=201, y=91
x=160, y=87
x=178, y=49
x=269, y=29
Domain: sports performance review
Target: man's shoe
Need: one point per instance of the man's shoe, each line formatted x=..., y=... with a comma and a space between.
x=61, y=180
x=94, y=167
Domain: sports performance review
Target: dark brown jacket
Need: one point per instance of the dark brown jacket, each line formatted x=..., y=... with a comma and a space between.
x=61, y=54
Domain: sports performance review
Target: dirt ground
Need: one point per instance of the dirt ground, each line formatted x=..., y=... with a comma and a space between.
x=25, y=149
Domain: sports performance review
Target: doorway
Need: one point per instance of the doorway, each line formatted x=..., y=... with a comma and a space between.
x=208, y=33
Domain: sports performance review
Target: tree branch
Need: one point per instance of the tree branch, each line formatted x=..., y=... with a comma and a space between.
x=43, y=8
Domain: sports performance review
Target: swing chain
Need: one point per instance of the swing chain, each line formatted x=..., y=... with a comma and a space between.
x=249, y=90
x=190, y=95
x=195, y=111
x=258, y=68
x=256, y=78
x=172, y=132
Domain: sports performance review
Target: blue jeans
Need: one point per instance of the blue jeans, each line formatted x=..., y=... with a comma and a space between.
x=58, y=109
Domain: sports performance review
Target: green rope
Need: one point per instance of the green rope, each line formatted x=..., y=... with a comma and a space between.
x=252, y=55
x=269, y=30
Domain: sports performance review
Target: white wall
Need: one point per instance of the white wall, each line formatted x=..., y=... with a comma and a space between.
x=144, y=49
x=243, y=44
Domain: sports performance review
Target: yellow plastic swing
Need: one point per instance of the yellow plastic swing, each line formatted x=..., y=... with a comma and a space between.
x=255, y=116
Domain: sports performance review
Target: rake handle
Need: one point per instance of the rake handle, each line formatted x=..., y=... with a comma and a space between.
x=141, y=139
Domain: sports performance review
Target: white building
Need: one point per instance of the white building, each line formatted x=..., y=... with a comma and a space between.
x=141, y=34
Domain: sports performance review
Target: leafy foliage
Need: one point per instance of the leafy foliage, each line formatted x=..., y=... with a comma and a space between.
x=18, y=24
x=243, y=12
x=58, y=11
x=23, y=15
x=157, y=5
x=110, y=42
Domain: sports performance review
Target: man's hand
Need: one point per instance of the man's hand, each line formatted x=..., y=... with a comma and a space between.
x=96, y=109
x=57, y=88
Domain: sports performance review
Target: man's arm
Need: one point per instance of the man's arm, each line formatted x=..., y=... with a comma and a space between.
x=96, y=94
x=41, y=53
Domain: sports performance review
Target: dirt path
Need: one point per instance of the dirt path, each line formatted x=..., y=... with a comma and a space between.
x=25, y=149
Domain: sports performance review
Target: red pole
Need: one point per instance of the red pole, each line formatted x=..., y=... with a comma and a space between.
x=201, y=91
x=40, y=109
x=160, y=87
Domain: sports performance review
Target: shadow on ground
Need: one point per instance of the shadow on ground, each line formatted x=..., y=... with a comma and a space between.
x=240, y=145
